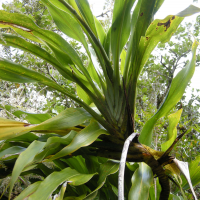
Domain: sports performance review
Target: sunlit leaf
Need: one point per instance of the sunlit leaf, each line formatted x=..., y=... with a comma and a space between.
x=178, y=85
x=172, y=131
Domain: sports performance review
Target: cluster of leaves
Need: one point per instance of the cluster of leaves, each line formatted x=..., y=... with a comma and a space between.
x=107, y=94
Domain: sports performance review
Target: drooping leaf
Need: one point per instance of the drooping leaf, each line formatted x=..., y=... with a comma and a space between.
x=24, y=45
x=56, y=178
x=141, y=183
x=30, y=117
x=28, y=29
x=12, y=150
x=62, y=124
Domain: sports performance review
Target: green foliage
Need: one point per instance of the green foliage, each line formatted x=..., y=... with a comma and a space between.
x=75, y=153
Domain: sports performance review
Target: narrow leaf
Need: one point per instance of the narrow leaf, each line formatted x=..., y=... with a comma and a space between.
x=12, y=150
x=86, y=13
x=25, y=158
x=178, y=85
x=66, y=23
x=10, y=128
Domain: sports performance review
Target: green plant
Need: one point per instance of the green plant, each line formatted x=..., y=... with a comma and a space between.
x=106, y=89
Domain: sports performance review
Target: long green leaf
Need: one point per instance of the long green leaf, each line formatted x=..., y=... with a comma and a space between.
x=82, y=139
x=63, y=123
x=25, y=158
x=120, y=30
x=13, y=72
x=68, y=118
x=22, y=44
x=86, y=13
x=56, y=178
x=30, y=117
x=141, y=183
x=96, y=44
x=66, y=23
x=10, y=128
x=141, y=19
x=27, y=28
x=17, y=73
x=178, y=85
x=12, y=150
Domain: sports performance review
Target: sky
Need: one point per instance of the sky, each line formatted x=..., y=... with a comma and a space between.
x=169, y=7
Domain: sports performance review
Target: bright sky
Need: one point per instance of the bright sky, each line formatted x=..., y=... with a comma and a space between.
x=169, y=7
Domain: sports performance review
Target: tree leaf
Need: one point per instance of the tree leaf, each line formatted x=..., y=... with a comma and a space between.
x=141, y=183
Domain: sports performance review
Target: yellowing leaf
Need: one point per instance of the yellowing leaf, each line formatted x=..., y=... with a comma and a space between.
x=172, y=131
